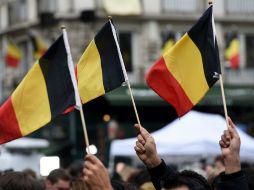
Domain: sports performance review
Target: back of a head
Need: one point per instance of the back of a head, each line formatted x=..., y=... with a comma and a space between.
x=142, y=180
x=16, y=181
x=76, y=170
x=79, y=185
x=191, y=179
x=58, y=174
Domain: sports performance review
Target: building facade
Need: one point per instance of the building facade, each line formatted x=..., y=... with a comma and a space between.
x=141, y=36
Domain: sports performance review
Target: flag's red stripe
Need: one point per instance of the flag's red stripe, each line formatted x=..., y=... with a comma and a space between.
x=9, y=127
x=234, y=61
x=12, y=61
x=165, y=85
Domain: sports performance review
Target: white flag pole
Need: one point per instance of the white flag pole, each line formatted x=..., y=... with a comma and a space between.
x=75, y=86
x=124, y=71
x=220, y=75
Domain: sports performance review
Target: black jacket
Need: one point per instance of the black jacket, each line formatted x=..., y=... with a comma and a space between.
x=235, y=181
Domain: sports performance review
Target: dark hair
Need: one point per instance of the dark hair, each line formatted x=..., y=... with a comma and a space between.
x=140, y=177
x=16, y=181
x=58, y=174
x=191, y=179
x=76, y=170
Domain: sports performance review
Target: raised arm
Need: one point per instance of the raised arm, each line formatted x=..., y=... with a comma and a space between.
x=233, y=178
x=146, y=148
x=95, y=174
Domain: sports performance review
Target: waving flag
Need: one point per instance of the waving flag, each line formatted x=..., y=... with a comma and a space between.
x=45, y=92
x=99, y=69
x=39, y=46
x=185, y=73
x=232, y=51
x=13, y=55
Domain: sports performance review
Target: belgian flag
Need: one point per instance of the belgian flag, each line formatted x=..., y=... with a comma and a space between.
x=232, y=51
x=39, y=46
x=45, y=92
x=100, y=68
x=184, y=74
x=13, y=55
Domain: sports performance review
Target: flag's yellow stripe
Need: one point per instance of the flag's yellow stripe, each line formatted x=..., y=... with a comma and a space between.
x=14, y=51
x=184, y=61
x=89, y=73
x=32, y=111
x=233, y=49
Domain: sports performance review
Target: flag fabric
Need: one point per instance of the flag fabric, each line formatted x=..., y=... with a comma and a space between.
x=100, y=68
x=184, y=74
x=39, y=46
x=13, y=55
x=45, y=92
x=232, y=51
x=168, y=42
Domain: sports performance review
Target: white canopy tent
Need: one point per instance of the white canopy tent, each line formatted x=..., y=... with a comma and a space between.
x=25, y=157
x=27, y=143
x=190, y=138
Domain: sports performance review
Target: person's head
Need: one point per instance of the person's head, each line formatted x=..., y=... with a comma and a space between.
x=58, y=179
x=113, y=129
x=185, y=180
x=30, y=172
x=79, y=184
x=76, y=170
x=16, y=181
x=142, y=180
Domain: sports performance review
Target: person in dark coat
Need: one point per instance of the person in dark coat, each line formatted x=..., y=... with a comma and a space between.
x=166, y=178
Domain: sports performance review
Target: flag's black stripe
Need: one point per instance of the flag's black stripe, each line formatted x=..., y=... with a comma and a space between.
x=202, y=35
x=110, y=63
x=57, y=77
x=34, y=44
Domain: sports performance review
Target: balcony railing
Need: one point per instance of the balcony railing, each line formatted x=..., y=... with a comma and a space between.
x=239, y=6
x=189, y=6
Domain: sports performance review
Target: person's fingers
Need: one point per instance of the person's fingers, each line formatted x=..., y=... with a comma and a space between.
x=144, y=133
x=227, y=135
x=138, y=150
x=86, y=179
x=141, y=139
x=88, y=165
x=93, y=159
x=88, y=175
x=137, y=127
x=225, y=140
x=140, y=146
x=222, y=144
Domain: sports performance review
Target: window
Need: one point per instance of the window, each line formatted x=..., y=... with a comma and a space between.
x=180, y=5
x=249, y=50
x=239, y=7
x=17, y=11
x=125, y=46
x=47, y=6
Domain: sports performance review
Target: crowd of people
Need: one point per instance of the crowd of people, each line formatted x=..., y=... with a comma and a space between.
x=227, y=174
